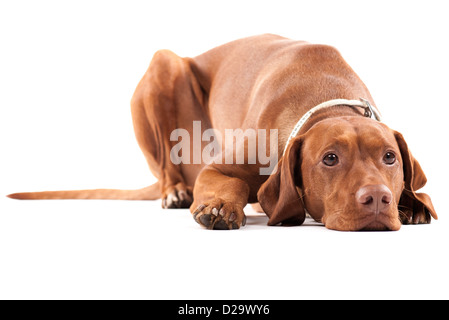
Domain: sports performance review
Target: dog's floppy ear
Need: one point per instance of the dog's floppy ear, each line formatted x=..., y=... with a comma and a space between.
x=278, y=196
x=417, y=207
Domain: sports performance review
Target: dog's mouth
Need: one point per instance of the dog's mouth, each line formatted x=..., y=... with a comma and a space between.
x=375, y=226
x=379, y=222
x=367, y=222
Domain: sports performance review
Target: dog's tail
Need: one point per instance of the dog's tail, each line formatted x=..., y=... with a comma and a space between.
x=148, y=193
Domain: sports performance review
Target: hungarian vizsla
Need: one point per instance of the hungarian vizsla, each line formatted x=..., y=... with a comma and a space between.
x=307, y=108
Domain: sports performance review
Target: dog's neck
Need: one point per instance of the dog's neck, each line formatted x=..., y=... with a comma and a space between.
x=332, y=109
x=331, y=112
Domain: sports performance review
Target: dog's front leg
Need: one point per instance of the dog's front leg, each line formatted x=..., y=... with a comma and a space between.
x=219, y=198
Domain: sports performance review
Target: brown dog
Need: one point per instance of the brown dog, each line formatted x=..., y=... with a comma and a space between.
x=343, y=168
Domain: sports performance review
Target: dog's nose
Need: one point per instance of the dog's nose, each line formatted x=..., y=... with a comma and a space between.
x=374, y=198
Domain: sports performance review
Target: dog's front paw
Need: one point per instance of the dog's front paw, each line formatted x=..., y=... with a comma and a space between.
x=220, y=215
x=177, y=196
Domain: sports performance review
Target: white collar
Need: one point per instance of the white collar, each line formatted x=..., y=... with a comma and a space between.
x=370, y=111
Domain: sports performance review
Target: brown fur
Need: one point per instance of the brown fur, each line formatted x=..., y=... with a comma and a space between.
x=268, y=82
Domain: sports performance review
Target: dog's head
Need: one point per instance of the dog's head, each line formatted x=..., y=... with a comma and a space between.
x=351, y=174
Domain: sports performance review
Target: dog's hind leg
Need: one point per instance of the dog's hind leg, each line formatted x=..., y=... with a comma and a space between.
x=168, y=98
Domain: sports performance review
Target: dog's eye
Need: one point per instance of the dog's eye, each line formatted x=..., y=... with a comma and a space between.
x=330, y=159
x=389, y=158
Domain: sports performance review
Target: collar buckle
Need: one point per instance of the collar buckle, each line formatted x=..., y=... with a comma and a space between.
x=369, y=110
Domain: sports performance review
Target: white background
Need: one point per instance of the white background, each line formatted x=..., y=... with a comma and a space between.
x=67, y=73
